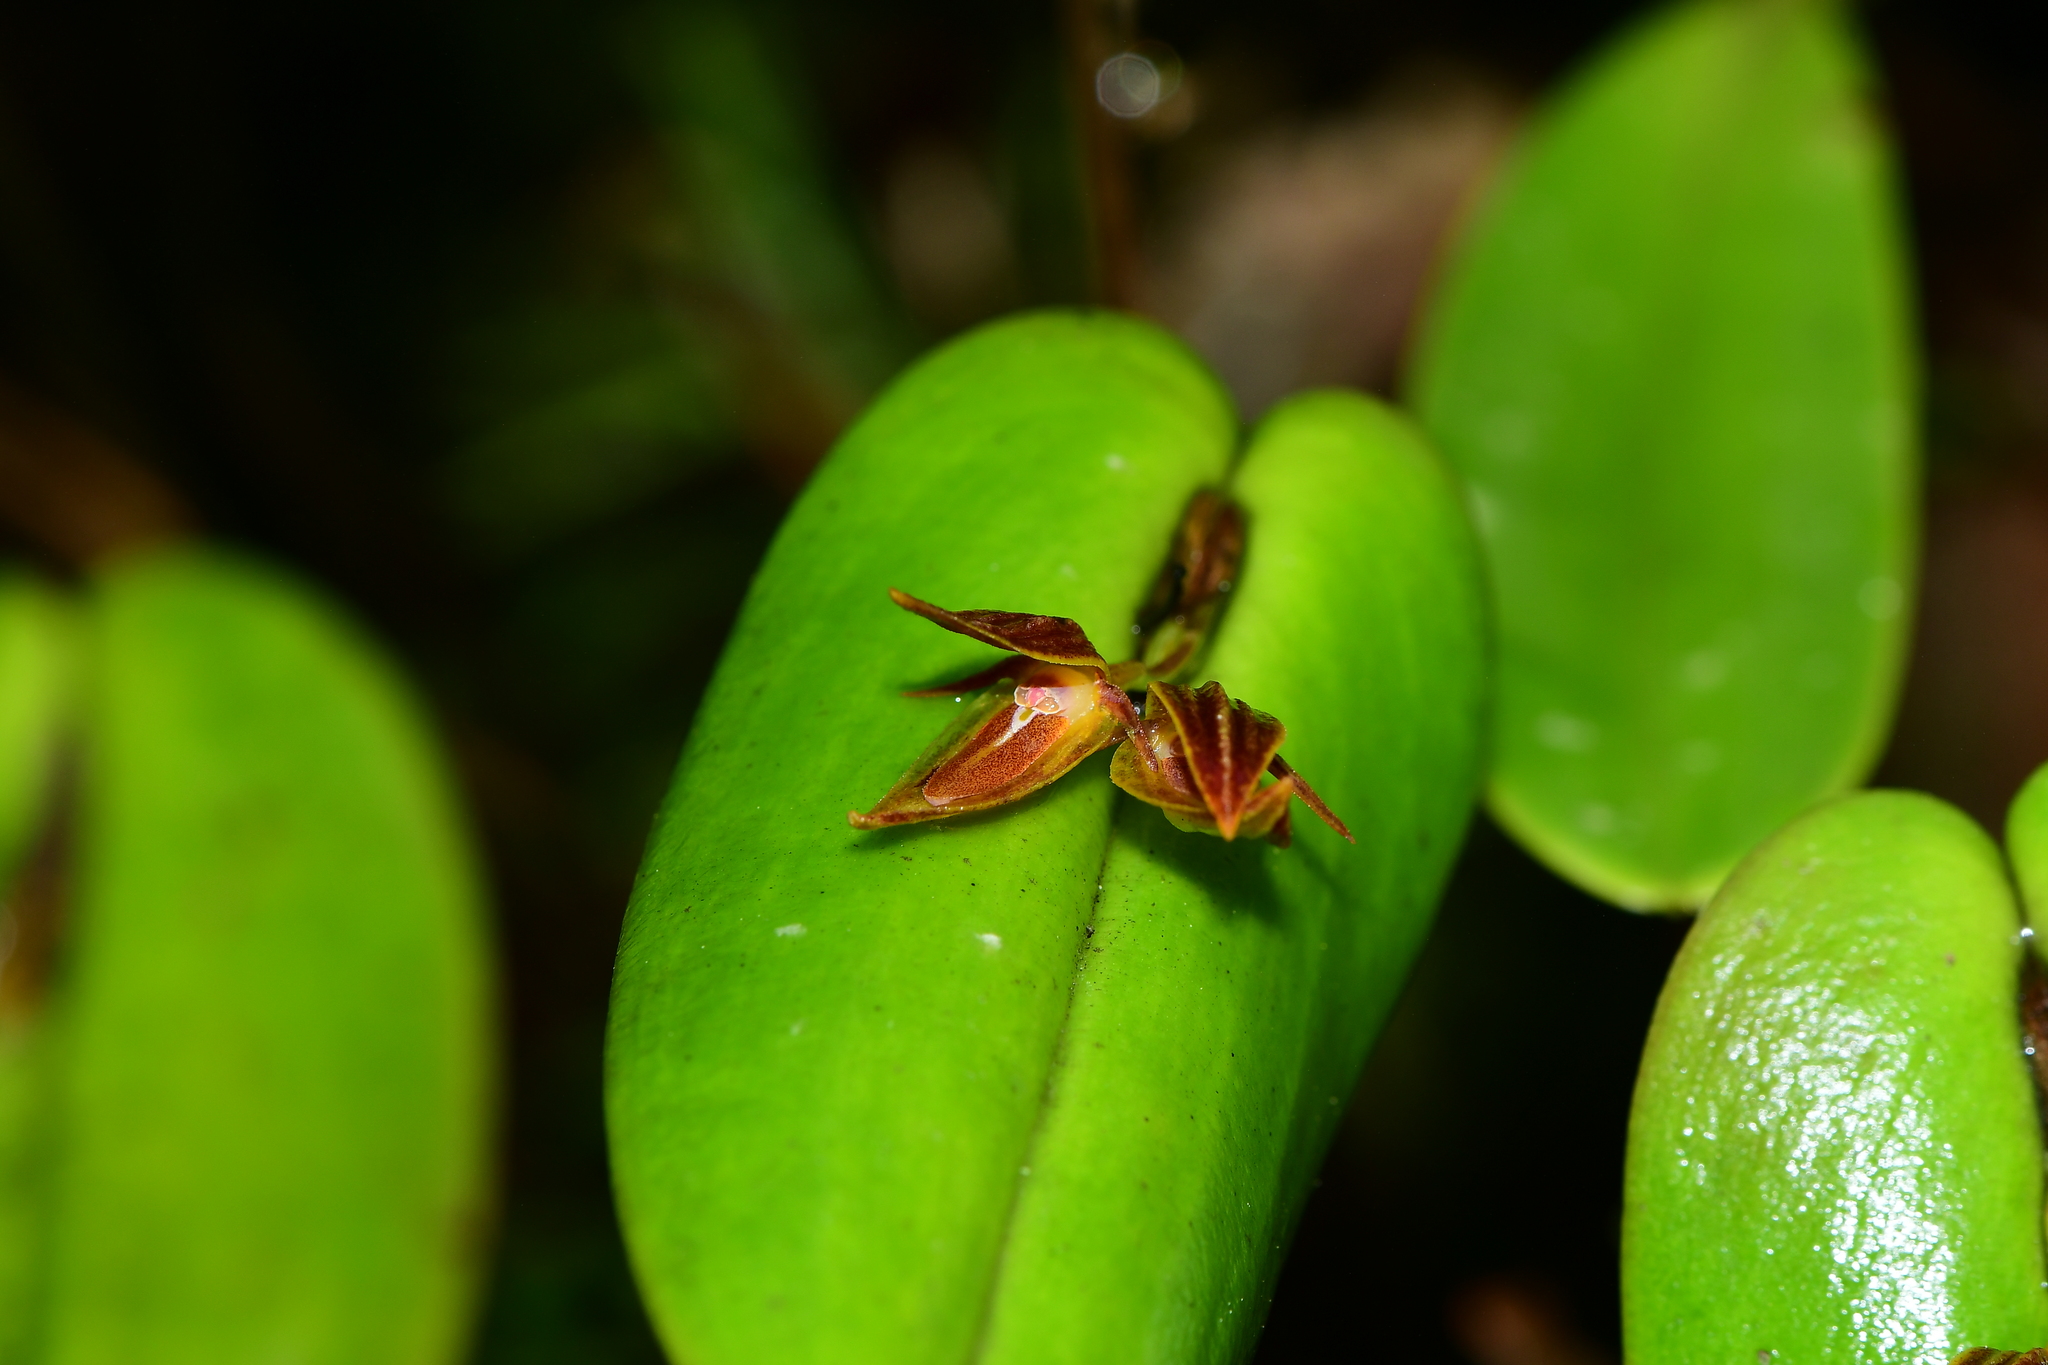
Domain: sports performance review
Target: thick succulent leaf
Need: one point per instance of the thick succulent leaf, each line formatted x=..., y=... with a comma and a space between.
x=828, y=1047
x=277, y=1072
x=1834, y=1152
x=1671, y=360
x=37, y=664
x=1228, y=995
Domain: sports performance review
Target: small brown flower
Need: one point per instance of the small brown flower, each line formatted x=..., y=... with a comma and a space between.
x=1200, y=758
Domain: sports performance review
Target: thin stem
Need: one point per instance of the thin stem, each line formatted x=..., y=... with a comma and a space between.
x=1095, y=31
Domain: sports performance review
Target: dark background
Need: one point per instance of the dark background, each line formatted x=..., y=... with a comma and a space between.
x=516, y=326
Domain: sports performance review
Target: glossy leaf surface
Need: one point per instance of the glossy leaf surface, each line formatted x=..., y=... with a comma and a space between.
x=277, y=1067
x=37, y=671
x=1225, y=1002
x=827, y=1047
x=1671, y=362
x=1834, y=1153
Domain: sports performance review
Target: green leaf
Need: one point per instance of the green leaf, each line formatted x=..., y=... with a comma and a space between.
x=582, y=452
x=1834, y=1152
x=37, y=662
x=276, y=1078
x=1672, y=363
x=37, y=658
x=831, y=1053
x=1224, y=1005
x=827, y=1048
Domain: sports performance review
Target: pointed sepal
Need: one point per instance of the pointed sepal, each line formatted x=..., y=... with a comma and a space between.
x=1285, y=771
x=1053, y=639
x=1007, y=745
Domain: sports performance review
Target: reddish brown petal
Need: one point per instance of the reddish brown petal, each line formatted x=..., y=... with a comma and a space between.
x=1206, y=550
x=1212, y=543
x=1266, y=813
x=1227, y=745
x=1055, y=639
x=1281, y=768
x=1189, y=591
x=1000, y=751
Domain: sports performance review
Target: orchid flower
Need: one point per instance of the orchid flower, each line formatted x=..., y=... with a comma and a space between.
x=1053, y=700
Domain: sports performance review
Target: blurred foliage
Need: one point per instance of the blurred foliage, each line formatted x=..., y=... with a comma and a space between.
x=38, y=666
x=269, y=1103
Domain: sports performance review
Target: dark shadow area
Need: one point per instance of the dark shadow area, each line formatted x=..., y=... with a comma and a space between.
x=1471, y=1206
x=1240, y=871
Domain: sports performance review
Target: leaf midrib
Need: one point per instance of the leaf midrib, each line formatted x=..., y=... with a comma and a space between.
x=1006, y=1239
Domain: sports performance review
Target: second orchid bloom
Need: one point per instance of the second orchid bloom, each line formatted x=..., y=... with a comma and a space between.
x=1199, y=756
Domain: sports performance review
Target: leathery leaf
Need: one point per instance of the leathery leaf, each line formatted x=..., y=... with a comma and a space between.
x=276, y=1070
x=1223, y=1007
x=960, y=1092
x=1671, y=360
x=37, y=657
x=828, y=1048
x=1834, y=1153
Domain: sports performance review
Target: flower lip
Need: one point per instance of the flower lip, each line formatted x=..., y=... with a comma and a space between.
x=1049, y=695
